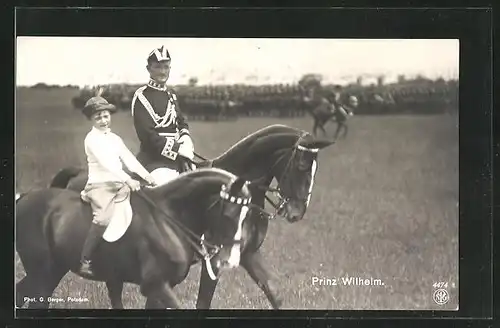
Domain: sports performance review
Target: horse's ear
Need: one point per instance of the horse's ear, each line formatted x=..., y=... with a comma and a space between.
x=317, y=143
x=237, y=185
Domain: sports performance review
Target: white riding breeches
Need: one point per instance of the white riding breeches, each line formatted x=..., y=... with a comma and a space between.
x=164, y=175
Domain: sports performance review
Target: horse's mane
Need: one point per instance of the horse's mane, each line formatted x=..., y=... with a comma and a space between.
x=191, y=183
x=243, y=148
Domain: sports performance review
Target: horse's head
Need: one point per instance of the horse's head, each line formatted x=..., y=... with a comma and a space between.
x=295, y=171
x=224, y=228
x=353, y=101
x=282, y=152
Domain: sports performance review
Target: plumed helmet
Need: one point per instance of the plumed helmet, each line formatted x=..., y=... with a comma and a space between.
x=159, y=54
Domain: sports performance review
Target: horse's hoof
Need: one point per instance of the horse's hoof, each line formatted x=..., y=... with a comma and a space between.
x=278, y=304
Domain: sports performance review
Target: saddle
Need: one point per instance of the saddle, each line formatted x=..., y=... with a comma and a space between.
x=121, y=217
x=120, y=222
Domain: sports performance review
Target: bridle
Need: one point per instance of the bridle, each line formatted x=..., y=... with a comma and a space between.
x=208, y=255
x=277, y=192
x=201, y=247
x=207, y=251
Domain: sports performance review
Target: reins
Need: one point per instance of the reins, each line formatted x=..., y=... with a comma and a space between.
x=282, y=200
x=276, y=206
x=200, y=249
x=200, y=157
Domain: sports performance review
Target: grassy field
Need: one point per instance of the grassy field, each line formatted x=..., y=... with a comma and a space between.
x=385, y=206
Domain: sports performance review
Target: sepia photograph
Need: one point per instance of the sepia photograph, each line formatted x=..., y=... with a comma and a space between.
x=236, y=173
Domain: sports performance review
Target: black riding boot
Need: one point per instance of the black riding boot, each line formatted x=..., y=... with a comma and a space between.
x=93, y=238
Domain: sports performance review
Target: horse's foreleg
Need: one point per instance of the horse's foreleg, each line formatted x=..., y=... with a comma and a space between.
x=115, y=289
x=153, y=303
x=253, y=264
x=337, y=132
x=315, y=127
x=345, y=131
x=322, y=127
x=162, y=296
x=159, y=293
x=206, y=289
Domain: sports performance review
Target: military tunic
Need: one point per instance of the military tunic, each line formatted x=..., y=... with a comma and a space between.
x=159, y=124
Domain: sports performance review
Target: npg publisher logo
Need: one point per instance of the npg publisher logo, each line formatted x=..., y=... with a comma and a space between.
x=441, y=296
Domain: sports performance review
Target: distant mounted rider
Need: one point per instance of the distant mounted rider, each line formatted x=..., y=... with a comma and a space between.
x=341, y=110
x=338, y=108
x=331, y=107
x=162, y=129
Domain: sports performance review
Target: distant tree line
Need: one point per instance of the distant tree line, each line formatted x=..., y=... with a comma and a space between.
x=45, y=86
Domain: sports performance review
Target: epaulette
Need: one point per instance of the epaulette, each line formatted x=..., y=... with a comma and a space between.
x=136, y=94
x=171, y=91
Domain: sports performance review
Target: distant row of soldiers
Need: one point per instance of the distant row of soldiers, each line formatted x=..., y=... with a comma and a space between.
x=286, y=100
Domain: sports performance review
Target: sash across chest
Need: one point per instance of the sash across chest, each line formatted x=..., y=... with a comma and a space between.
x=160, y=121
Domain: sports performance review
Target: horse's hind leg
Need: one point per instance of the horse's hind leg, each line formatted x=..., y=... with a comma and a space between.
x=45, y=286
x=115, y=289
x=23, y=290
x=206, y=289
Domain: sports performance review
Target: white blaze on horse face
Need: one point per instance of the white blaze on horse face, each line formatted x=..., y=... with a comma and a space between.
x=234, y=257
x=208, y=264
x=314, y=167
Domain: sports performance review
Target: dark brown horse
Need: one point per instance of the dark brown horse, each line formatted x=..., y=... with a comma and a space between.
x=278, y=152
x=156, y=251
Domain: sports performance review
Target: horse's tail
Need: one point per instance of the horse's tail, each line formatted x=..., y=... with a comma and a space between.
x=34, y=234
x=62, y=178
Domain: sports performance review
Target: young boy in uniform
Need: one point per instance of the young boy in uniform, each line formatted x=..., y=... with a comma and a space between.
x=105, y=152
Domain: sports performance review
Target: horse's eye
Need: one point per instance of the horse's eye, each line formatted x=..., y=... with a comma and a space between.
x=304, y=165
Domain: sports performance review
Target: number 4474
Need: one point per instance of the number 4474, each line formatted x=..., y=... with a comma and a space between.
x=440, y=284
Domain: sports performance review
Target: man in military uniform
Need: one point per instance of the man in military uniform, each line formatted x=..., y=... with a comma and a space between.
x=162, y=130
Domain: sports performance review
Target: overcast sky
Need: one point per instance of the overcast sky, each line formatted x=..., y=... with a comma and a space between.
x=90, y=61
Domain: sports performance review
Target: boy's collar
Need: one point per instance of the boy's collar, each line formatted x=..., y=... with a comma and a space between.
x=105, y=131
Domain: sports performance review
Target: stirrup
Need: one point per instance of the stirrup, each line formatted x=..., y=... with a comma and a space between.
x=85, y=268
